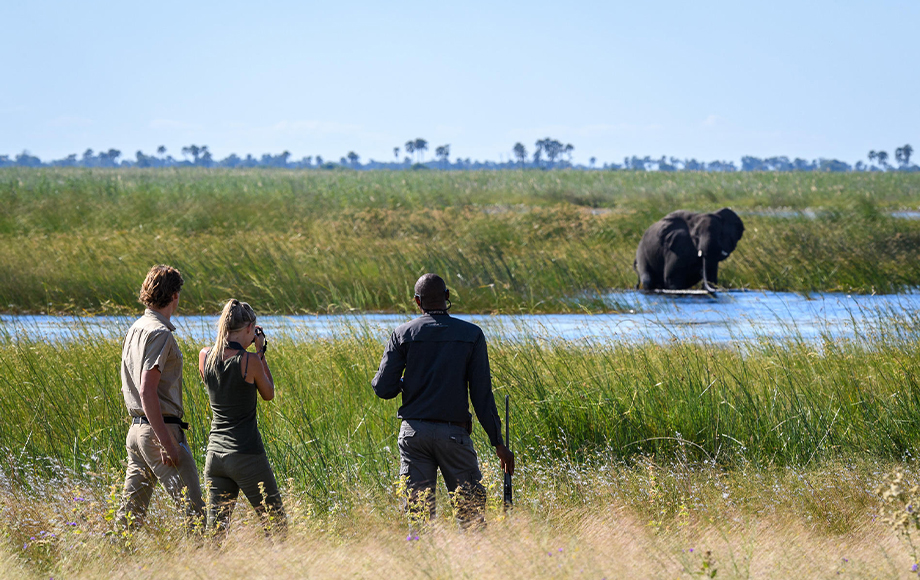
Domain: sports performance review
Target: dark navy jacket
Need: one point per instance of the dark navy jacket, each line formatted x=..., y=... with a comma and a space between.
x=445, y=361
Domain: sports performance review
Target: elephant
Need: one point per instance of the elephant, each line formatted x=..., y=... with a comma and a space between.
x=684, y=247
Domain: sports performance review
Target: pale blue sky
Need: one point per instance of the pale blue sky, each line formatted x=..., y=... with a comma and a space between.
x=711, y=80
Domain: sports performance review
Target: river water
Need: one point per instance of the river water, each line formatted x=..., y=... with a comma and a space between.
x=730, y=317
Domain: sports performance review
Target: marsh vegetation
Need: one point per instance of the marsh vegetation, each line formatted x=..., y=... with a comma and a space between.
x=676, y=459
x=507, y=241
x=674, y=447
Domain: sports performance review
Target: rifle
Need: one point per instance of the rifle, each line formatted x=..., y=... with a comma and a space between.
x=509, y=499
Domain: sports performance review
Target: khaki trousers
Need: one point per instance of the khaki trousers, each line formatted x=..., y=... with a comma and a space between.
x=145, y=468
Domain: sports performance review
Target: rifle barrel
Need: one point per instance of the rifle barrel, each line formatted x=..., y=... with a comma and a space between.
x=507, y=436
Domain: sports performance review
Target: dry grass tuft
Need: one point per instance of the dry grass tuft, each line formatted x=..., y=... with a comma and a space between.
x=632, y=532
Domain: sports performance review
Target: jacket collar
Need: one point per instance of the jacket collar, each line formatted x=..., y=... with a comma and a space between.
x=435, y=312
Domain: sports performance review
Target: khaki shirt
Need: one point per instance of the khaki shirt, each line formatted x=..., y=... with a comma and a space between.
x=150, y=343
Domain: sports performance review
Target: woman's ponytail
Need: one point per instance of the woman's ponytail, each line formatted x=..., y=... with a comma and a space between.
x=235, y=316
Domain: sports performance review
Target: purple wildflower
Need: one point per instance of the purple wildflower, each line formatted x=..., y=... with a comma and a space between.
x=913, y=568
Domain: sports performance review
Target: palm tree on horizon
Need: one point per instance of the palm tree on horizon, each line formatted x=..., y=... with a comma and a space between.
x=443, y=152
x=520, y=152
x=420, y=147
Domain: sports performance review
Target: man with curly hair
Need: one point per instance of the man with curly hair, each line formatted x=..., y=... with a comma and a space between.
x=151, y=382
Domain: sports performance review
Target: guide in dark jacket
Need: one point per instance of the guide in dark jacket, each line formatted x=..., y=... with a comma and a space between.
x=439, y=364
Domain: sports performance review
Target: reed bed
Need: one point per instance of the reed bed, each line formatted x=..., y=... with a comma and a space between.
x=54, y=200
x=771, y=404
x=645, y=460
x=767, y=457
x=81, y=240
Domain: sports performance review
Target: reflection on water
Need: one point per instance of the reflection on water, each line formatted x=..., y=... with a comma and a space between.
x=730, y=317
x=750, y=315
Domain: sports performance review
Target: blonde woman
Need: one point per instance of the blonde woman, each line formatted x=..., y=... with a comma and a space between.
x=236, y=458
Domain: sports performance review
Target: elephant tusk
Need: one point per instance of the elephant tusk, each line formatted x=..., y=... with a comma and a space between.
x=699, y=254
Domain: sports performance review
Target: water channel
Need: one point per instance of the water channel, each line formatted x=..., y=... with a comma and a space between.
x=730, y=317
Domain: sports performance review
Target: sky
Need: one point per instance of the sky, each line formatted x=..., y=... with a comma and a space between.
x=705, y=80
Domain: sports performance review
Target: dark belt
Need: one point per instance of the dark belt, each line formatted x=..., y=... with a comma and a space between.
x=142, y=420
x=468, y=425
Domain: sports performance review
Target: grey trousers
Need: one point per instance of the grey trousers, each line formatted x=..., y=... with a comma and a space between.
x=145, y=468
x=425, y=447
x=228, y=473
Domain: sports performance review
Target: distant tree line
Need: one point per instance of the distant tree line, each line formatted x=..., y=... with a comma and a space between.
x=548, y=153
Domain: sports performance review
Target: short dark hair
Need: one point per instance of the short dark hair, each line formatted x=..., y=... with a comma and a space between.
x=431, y=290
x=159, y=286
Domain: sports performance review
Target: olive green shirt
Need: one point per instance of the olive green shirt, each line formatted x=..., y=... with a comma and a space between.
x=150, y=343
x=234, y=427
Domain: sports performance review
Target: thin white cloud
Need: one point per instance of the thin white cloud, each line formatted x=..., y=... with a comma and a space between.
x=68, y=122
x=310, y=127
x=171, y=124
x=449, y=131
x=593, y=130
x=14, y=109
x=711, y=121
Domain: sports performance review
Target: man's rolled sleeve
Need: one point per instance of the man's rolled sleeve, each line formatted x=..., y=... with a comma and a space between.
x=157, y=349
x=480, y=382
x=387, y=382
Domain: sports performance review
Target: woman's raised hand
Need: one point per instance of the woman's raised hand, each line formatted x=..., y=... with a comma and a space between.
x=260, y=339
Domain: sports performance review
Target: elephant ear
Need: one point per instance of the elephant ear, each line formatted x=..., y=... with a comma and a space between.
x=732, y=226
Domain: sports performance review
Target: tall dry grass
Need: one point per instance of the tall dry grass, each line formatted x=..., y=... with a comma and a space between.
x=651, y=520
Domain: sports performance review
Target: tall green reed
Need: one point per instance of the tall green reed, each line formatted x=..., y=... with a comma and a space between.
x=550, y=259
x=55, y=200
x=791, y=403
